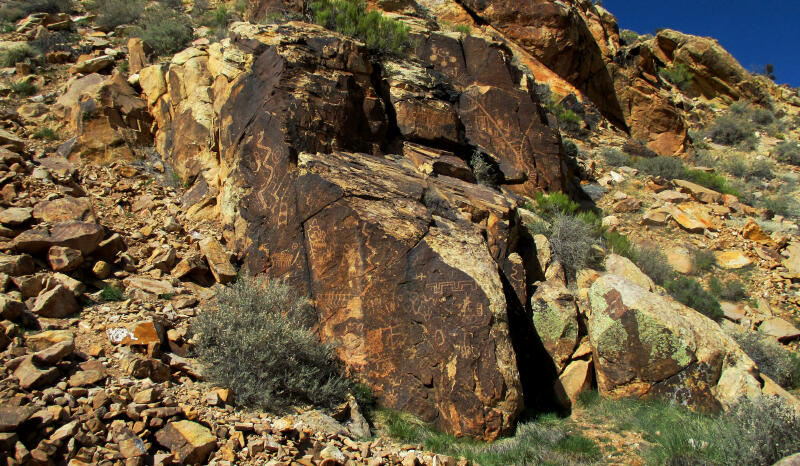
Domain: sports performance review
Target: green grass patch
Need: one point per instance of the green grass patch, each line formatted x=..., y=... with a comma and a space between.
x=24, y=89
x=111, y=293
x=546, y=440
x=45, y=133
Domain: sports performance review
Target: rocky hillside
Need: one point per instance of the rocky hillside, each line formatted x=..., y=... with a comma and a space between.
x=493, y=209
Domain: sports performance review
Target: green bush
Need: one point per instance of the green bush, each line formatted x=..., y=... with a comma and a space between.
x=113, y=13
x=732, y=129
x=711, y=180
x=351, y=18
x=654, y=264
x=259, y=343
x=569, y=120
x=774, y=360
x=549, y=205
x=679, y=75
x=786, y=206
x=111, y=293
x=628, y=37
x=24, y=88
x=45, y=133
x=164, y=30
x=788, y=152
x=218, y=19
x=668, y=168
x=703, y=260
x=619, y=244
x=738, y=166
x=616, y=158
x=12, y=55
x=731, y=290
x=691, y=293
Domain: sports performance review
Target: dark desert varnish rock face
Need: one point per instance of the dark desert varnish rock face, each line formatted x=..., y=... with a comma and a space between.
x=405, y=257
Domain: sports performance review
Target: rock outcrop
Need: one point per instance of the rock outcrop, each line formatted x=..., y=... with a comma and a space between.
x=352, y=179
x=648, y=345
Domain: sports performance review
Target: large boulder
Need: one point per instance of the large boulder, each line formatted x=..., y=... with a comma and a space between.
x=350, y=179
x=107, y=117
x=646, y=345
x=559, y=35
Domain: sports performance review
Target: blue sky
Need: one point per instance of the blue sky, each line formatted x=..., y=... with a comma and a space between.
x=756, y=32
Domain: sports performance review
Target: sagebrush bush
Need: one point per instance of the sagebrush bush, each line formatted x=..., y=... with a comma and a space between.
x=654, y=264
x=679, y=75
x=788, y=152
x=351, y=18
x=485, y=172
x=10, y=56
x=752, y=433
x=691, y=293
x=164, y=30
x=16, y=9
x=24, y=88
x=703, y=260
x=732, y=129
x=738, y=166
x=615, y=157
x=259, y=343
x=774, y=360
x=759, y=432
x=113, y=13
x=780, y=205
x=571, y=241
x=731, y=290
x=668, y=168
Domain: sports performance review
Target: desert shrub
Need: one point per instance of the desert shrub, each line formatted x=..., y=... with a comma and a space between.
x=24, y=88
x=56, y=41
x=752, y=433
x=569, y=120
x=654, y=264
x=549, y=205
x=571, y=241
x=351, y=18
x=762, y=117
x=10, y=56
x=731, y=290
x=703, y=260
x=45, y=133
x=774, y=360
x=113, y=13
x=788, y=152
x=218, y=19
x=759, y=432
x=679, y=75
x=111, y=293
x=628, y=37
x=619, y=244
x=666, y=167
x=711, y=181
x=16, y=9
x=691, y=293
x=783, y=205
x=732, y=129
x=638, y=148
x=173, y=4
x=615, y=157
x=259, y=343
x=738, y=166
x=164, y=30
x=486, y=173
